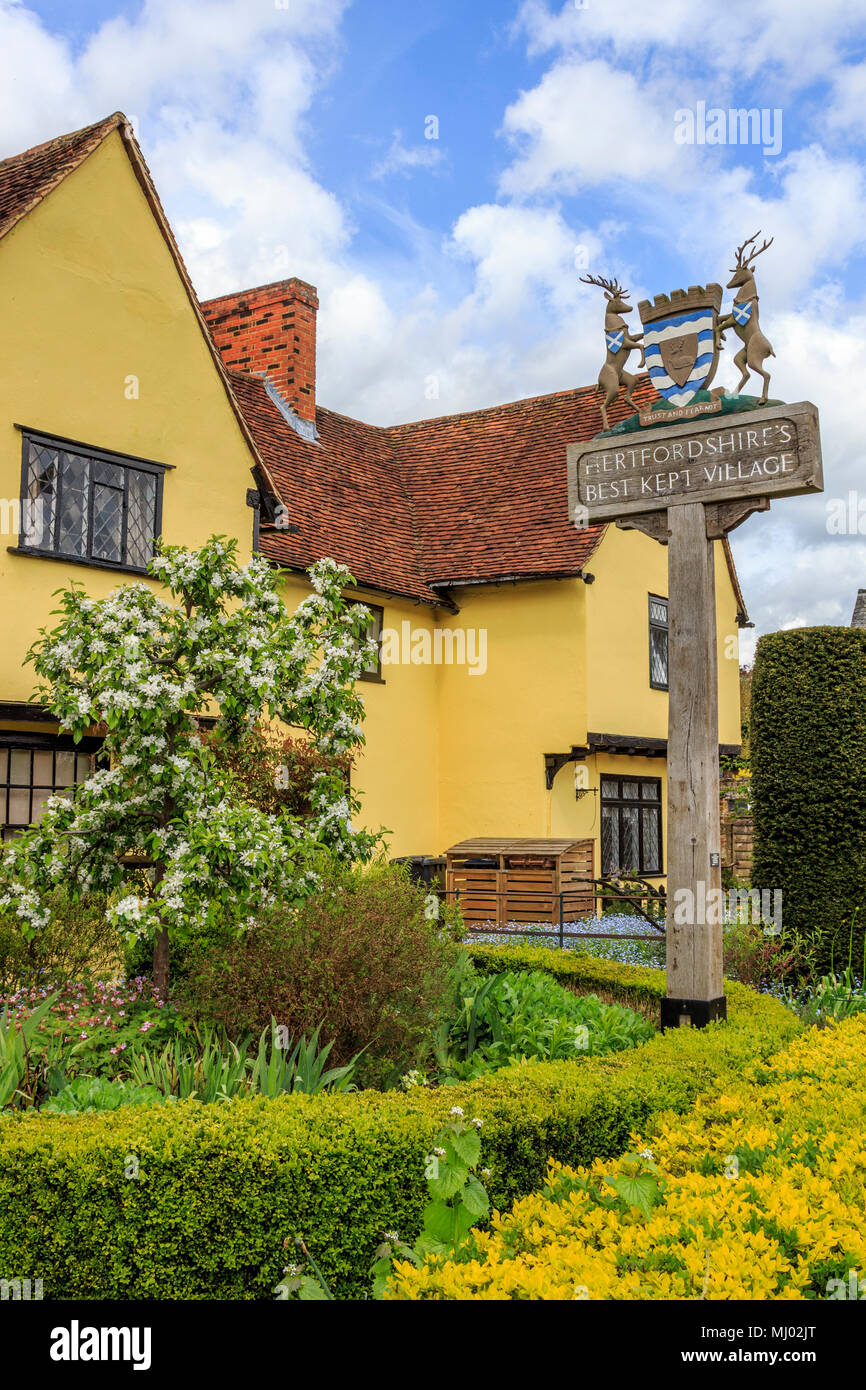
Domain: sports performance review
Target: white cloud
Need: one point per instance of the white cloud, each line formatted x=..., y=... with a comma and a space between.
x=790, y=40
x=38, y=94
x=406, y=159
x=588, y=122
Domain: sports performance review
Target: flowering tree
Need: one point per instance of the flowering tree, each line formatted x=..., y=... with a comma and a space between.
x=157, y=829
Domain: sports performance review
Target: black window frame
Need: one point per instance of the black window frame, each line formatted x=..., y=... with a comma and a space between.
x=129, y=463
x=656, y=626
x=378, y=618
x=618, y=803
x=22, y=741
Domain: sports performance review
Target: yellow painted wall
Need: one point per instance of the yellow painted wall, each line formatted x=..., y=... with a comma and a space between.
x=728, y=639
x=90, y=295
x=494, y=729
x=396, y=772
x=628, y=567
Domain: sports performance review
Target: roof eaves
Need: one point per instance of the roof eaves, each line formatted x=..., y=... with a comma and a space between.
x=743, y=619
x=98, y=131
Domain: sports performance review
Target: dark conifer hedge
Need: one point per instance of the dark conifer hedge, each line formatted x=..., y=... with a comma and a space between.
x=808, y=753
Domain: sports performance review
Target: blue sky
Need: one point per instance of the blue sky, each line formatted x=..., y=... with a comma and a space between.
x=289, y=139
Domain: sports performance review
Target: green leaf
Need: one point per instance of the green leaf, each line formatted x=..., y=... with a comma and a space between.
x=438, y=1222
x=450, y=1180
x=467, y=1146
x=310, y=1290
x=475, y=1199
x=641, y=1191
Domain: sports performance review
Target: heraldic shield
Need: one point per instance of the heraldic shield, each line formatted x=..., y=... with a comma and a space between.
x=681, y=341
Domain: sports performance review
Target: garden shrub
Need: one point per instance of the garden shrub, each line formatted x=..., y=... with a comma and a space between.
x=360, y=958
x=760, y=959
x=808, y=749
x=77, y=942
x=756, y=1194
x=221, y=1187
x=88, y=1093
x=519, y=1014
x=270, y=771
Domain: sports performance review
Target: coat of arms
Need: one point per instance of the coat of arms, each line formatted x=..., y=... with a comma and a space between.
x=681, y=341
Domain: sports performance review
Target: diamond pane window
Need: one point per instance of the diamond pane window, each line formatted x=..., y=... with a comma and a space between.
x=40, y=496
x=630, y=839
x=72, y=528
x=651, y=826
x=139, y=518
x=631, y=825
x=88, y=505
x=373, y=670
x=107, y=522
x=658, y=642
x=30, y=774
x=609, y=840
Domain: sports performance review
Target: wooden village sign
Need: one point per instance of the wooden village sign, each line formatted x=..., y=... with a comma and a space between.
x=685, y=472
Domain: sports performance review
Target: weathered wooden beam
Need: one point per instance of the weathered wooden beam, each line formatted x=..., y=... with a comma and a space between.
x=694, y=944
x=652, y=524
x=723, y=517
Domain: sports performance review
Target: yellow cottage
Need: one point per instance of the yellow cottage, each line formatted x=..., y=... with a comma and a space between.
x=521, y=685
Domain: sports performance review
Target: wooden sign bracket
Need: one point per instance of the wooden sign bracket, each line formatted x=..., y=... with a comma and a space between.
x=721, y=518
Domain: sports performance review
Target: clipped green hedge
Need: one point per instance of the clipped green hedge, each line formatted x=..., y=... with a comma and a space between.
x=808, y=752
x=220, y=1187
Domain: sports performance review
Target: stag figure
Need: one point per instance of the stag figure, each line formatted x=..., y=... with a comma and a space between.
x=618, y=343
x=744, y=316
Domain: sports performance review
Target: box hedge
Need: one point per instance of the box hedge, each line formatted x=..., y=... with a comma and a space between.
x=757, y=1193
x=195, y=1201
x=808, y=750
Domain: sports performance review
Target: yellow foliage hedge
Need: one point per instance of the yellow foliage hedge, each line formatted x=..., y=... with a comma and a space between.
x=758, y=1193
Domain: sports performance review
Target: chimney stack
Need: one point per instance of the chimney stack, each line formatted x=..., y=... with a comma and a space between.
x=272, y=330
x=858, y=618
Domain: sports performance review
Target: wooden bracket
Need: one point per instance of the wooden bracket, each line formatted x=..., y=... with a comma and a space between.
x=653, y=524
x=722, y=517
x=554, y=761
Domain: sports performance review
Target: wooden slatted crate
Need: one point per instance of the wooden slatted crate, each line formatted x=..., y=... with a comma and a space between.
x=498, y=880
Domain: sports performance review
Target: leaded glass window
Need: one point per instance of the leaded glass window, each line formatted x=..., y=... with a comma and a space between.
x=88, y=505
x=29, y=774
x=373, y=671
x=658, y=642
x=631, y=825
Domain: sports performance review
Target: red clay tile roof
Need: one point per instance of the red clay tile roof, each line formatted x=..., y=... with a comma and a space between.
x=25, y=179
x=346, y=493
x=489, y=486
x=411, y=509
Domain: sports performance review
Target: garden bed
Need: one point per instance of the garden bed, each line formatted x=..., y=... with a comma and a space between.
x=758, y=1193
x=195, y=1201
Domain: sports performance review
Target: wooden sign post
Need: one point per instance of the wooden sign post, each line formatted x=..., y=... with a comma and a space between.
x=687, y=485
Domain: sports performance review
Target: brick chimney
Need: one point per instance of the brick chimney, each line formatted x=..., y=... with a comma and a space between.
x=858, y=618
x=271, y=329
